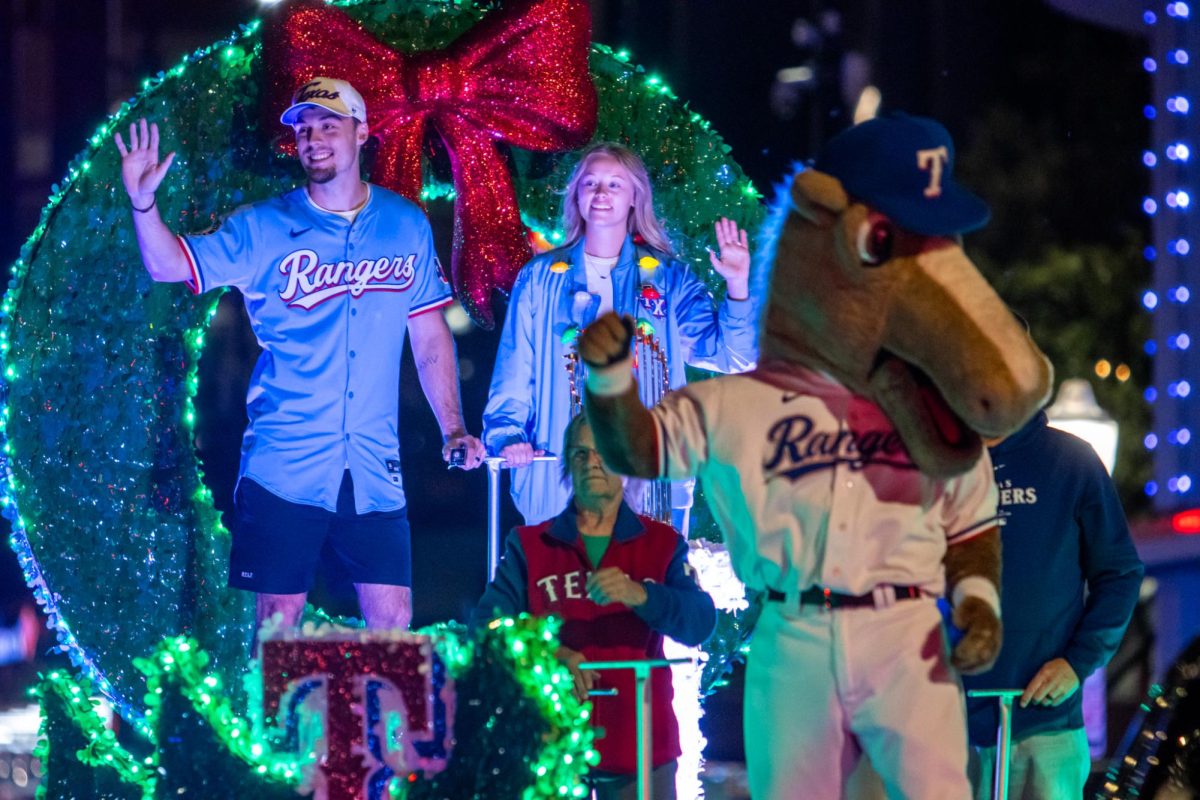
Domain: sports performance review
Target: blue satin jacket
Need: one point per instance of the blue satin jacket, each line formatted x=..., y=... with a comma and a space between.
x=530, y=399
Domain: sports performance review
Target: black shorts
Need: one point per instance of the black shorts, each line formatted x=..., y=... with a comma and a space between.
x=277, y=543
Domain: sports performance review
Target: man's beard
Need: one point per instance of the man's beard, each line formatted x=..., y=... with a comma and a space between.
x=320, y=174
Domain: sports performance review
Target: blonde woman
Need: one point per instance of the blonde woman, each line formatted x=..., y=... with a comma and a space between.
x=616, y=257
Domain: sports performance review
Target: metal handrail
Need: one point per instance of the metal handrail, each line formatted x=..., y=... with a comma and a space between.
x=1005, y=699
x=642, y=693
x=495, y=545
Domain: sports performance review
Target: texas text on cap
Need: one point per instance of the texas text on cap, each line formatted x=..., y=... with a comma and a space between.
x=336, y=95
x=903, y=166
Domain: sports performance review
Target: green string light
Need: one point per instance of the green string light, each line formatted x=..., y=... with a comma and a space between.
x=196, y=735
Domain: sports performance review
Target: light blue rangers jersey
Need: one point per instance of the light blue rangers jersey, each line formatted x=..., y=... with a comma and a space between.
x=329, y=301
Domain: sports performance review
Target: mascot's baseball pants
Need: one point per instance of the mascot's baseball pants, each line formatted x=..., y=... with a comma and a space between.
x=825, y=686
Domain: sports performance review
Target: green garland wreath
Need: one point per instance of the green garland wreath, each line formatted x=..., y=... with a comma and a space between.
x=520, y=732
x=112, y=522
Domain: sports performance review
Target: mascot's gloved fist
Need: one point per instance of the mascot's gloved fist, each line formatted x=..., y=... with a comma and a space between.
x=606, y=341
x=972, y=577
x=980, y=644
x=624, y=430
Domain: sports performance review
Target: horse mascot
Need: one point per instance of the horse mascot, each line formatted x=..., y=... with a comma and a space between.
x=847, y=471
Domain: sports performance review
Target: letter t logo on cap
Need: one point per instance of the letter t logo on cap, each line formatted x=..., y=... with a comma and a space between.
x=932, y=161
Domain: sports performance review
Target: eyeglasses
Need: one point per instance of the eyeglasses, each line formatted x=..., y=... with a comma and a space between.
x=582, y=455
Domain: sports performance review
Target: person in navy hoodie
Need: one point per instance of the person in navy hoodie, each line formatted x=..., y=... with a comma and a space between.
x=620, y=582
x=1070, y=581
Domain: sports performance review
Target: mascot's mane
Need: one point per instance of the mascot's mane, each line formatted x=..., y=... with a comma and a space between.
x=767, y=241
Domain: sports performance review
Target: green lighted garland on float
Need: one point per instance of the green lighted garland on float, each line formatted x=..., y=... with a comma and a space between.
x=111, y=520
x=520, y=732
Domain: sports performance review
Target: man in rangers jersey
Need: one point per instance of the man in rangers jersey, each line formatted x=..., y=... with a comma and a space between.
x=326, y=271
x=848, y=472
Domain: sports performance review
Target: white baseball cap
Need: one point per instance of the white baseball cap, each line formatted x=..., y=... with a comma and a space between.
x=336, y=95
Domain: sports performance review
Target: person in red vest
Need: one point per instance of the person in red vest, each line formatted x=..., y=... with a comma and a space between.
x=620, y=582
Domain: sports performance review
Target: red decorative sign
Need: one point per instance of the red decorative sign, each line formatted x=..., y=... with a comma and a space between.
x=362, y=675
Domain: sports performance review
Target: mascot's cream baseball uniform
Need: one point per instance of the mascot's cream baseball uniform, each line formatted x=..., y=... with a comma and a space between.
x=847, y=471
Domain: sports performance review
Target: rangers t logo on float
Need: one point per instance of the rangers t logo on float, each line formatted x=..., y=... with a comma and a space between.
x=310, y=283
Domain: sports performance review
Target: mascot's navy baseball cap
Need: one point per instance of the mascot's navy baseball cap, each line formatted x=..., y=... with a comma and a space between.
x=338, y=96
x=903, y=166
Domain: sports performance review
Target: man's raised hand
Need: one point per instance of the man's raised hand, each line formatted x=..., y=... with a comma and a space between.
x=141, y=171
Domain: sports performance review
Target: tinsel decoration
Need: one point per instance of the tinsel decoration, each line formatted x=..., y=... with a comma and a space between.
x=203, y=747
x=737, y=608
x=1161, y=752
x=356, y=669
x=520, y=78
x=112, y=522
x=707, y=664
x=519, y=731
x=79, y=755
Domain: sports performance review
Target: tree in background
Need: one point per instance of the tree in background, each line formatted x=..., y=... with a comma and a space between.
x=1061, y=168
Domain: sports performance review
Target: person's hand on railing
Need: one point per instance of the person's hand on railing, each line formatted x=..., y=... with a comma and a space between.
x=585, y=679
x=519, y=454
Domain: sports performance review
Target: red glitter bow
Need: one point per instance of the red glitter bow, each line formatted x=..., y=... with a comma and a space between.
x=519, y=76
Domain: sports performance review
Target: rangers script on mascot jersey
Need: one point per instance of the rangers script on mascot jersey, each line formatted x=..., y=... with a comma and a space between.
x=829, y=497
x=328, y=300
